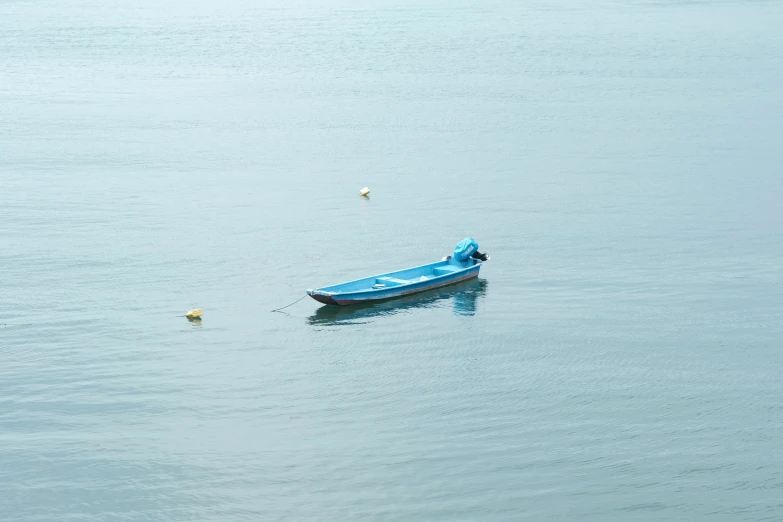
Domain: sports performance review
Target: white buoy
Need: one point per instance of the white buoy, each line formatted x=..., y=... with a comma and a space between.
x=194, y=314
x=364, y=191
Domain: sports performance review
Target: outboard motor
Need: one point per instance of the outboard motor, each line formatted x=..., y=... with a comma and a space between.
x=468, y=249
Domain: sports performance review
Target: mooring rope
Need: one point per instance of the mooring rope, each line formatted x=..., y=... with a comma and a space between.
x=292, y=304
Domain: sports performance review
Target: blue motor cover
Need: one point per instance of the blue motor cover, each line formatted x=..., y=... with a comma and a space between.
x=466, y=248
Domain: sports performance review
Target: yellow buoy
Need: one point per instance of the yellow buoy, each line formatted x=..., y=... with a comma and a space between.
x=364, y=191
x=194, y=314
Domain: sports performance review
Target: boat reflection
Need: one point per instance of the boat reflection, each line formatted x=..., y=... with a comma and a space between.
x=464, y=298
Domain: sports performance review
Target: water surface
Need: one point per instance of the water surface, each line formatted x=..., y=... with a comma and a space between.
x=618, y=360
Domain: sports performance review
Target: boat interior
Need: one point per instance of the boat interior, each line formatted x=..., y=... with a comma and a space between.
x=403, y=277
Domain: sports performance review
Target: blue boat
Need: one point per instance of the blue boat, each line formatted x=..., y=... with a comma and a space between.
x=464, y=264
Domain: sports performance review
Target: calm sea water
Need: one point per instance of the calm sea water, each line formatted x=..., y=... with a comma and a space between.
x=619, y=359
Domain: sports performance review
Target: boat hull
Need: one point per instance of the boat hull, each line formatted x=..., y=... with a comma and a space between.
x=350, y=295
x=325, y=299
x=409, y=291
